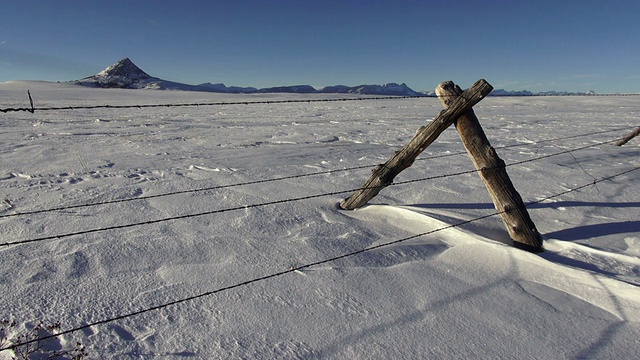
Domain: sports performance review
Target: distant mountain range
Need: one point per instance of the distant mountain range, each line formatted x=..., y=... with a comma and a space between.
x=503, y=92
x=126, y=75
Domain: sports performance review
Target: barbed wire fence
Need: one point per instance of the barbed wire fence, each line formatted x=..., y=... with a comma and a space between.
x=33, y=109
x=215, y=103
x=275, y=202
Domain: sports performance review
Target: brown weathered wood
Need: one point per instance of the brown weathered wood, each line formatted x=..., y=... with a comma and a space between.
x=492, y=171
x=626, y=139
x=384, y=174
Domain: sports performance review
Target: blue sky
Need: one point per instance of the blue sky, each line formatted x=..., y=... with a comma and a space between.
x=534, y=45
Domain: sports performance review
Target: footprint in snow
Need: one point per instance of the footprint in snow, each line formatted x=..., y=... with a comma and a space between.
x=122, y=333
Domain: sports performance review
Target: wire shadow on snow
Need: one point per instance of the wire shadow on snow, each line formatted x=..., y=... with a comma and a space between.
x=606, y=337
x=596, y=230
x=422, y=314
x=539, y=205
x=388, y=257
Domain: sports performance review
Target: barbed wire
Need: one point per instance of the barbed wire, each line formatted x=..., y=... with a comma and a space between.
x=305, y=266
x=507, y=165
x=33, y=109
x=282, y=201
x=216, y=103
x=325, y=172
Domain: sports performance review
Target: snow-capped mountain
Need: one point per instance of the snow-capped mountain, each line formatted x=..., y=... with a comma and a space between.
x=124, y=69
x=126, y=75
x=123, y=74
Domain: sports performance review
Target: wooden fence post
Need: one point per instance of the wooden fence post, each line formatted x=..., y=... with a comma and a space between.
x=492, y=171
x=384, y=174
x=633, y=134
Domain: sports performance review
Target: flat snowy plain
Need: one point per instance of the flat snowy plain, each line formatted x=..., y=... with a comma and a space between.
x=460, y=292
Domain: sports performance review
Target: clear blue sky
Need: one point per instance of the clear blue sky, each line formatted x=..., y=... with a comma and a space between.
x=534, y=45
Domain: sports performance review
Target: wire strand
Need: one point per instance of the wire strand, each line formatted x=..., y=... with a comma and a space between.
x=220, y=103
x=217, y=103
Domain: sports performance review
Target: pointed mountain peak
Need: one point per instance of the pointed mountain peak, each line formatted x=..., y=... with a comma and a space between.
x=125, y=68
x=123, y=74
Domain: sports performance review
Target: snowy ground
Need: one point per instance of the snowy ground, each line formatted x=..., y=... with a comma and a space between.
x=463, y=292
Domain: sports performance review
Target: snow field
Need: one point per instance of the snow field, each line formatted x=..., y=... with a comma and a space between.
x=459, y=292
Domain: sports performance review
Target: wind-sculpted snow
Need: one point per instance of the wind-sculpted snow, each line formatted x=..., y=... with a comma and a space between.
x=452, y=289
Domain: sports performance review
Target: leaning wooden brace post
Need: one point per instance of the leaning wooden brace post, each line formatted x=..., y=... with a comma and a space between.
x=492, y=171
x=384, y=174
x=631, y=135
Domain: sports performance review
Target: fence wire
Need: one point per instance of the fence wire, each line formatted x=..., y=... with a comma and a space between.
x=216, y=103
x=33, y=109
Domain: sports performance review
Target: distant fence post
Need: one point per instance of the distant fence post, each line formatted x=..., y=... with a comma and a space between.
x=626, y=139
x=492, y=172
x=384, y=174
